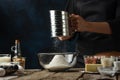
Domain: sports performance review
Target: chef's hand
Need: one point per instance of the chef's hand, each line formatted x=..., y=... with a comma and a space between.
x=76, y=23
x=79, y=24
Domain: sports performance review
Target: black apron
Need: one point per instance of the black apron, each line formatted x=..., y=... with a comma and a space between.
x=90, y=44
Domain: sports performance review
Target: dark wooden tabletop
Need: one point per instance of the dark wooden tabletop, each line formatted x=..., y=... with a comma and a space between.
x=37, y=74
x=71, y=74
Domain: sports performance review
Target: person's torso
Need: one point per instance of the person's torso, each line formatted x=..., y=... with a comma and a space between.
x=95, y=11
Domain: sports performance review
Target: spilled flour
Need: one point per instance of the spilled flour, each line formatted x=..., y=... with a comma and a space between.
x=58, y=63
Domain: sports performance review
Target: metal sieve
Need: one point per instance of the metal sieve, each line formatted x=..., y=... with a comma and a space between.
x=59, y=23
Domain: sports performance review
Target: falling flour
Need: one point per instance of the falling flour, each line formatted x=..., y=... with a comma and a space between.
x=57, y=63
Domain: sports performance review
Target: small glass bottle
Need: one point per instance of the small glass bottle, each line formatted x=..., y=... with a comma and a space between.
x=17, y=54
x=17, y=50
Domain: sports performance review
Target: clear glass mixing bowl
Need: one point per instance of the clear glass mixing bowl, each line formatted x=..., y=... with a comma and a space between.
x=57, y=61
x=107, y=71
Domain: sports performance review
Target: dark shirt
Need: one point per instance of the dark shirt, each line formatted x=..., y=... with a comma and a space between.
x=97, y=11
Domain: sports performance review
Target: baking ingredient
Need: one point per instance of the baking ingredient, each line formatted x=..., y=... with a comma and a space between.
x=106, y=62
x=92, y=59
x=7, y=68
x=92, y=67
x=20, y=69
x=2, y=72
x=20, y=60
x=5, y=59
x=58, y=63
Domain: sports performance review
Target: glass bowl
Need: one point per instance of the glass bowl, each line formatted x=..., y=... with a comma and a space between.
x=5, y=58
x=57, y=61
x=107, y=71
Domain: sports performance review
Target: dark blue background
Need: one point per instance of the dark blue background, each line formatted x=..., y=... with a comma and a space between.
x=27, y=20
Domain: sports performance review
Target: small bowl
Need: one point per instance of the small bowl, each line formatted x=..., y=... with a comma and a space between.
x=107, y=71
x=5, y=58
x=57, y=61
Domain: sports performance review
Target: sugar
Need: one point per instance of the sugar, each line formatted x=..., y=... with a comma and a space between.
x=57, y=63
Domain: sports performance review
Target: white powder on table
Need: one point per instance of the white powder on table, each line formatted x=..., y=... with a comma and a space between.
x=58, y=63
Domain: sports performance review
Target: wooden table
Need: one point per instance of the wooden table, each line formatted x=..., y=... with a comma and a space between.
x=71, y=74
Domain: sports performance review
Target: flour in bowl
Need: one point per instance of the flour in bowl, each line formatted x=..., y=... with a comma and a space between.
x=58, y=63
